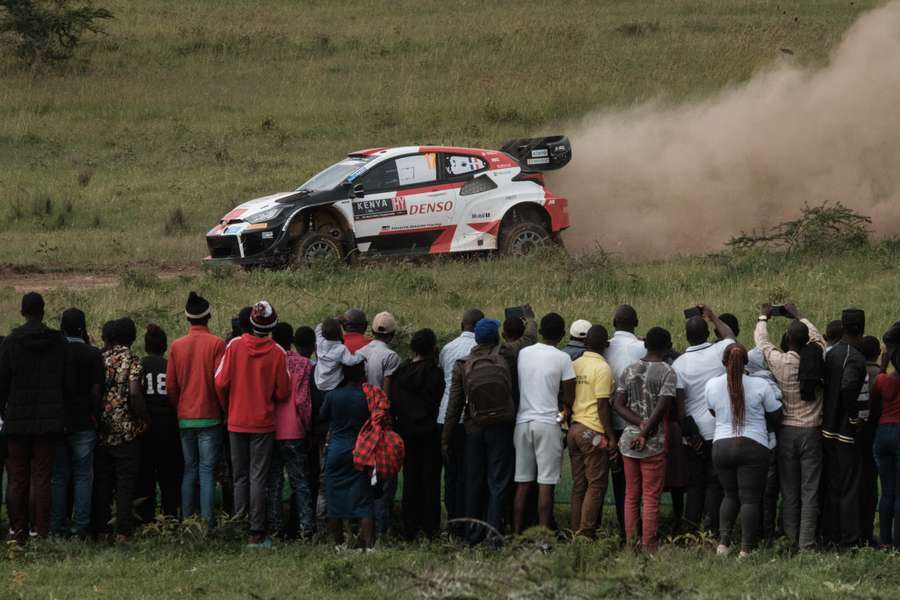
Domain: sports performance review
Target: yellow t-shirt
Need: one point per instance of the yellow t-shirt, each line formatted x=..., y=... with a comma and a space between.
x=593, y=379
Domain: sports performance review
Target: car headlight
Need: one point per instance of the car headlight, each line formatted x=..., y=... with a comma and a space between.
x=262, y=217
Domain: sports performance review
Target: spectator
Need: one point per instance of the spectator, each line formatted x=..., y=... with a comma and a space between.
x=799, y=373
x=701, y=362
x=577, y=332
x=676, y=451
x=33, y=387
x=354, y=323
x=74, y=462
x=123, y=419
x=743, y=406
x=305, y=343
x=481, y=391
x=332, y=355
x=250, y=380
x=546, y=388
x=455, y=455
x=845, y=375
x=518, y=333
x=190, y=383
x=416, y=390
x=869, y=413
x=162, y=462
x=834, y=331
x=381, y=364
x=886, y=394
x=348, y=491
x=624, y=349
x=643, y=397
x=292, y=426
x=732, y=321
x=591, y=441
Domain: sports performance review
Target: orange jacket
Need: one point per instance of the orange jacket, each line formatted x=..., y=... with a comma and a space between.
x=190, y=374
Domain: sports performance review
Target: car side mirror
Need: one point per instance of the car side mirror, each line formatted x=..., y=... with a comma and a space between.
x=357, y=191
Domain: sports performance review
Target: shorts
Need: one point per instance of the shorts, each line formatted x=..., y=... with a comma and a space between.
x=539, y=450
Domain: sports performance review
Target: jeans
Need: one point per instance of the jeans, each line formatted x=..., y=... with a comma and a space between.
x=74, y=463
x=490, y=462
x=645, y=479
x=162, y=464
x=841, y=470
x=799, y=453
x=384, y=506
x=741, y=464
x=454, y=481
x=116, y=469
x=868, y=484
x=590, y=478
x=617, y=470
x=200, y=447
x=251, y=456
x=290, y=456
x=29, y=466
x=421, y=505
x=704, y=491
x=887, y=453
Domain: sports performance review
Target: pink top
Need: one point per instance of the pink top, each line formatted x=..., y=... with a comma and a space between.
x=292, y=418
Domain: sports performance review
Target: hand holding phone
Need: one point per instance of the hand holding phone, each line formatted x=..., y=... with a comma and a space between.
x=694, y=311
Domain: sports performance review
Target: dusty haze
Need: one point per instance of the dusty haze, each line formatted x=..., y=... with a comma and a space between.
x=655, y=181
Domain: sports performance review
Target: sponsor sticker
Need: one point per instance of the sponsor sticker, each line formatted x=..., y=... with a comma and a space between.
x=428, y=208
x=538, y=152
x=376, y=209
x=481, y=215
x=234, y=229
x=538, y=161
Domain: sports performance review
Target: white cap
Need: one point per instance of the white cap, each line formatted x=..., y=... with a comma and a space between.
x=579, y=329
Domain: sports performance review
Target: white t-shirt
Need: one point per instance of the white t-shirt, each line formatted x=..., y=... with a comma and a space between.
x=694, y=369
x=542, y=368
x=624, y=350
x=759, y=398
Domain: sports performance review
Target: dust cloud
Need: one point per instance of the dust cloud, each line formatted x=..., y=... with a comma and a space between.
x=654, y=181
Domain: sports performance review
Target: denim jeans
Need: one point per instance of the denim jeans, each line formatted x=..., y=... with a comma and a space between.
x=251, y=456
x=645, y=479
x=887, y=454
x=74, y=463
x=490, y=463
x=200, y=446
x=290, y=456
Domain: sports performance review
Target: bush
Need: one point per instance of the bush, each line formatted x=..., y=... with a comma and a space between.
x=47, y=31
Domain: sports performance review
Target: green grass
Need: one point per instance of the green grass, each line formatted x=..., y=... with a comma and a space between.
x=202, y=105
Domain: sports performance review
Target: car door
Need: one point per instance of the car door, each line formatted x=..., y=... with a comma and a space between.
x=404, y=208
x=475, y=212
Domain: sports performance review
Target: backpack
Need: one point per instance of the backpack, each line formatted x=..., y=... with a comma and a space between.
x=488, y=387
x=378, y=447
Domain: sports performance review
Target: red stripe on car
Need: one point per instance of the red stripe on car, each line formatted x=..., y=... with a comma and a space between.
x=489, y=227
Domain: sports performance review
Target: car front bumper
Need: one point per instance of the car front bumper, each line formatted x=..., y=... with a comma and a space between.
x=236, y=245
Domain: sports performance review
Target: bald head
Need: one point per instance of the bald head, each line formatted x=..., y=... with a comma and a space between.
x=697, y=330
x=470, y=318
x=625, y=318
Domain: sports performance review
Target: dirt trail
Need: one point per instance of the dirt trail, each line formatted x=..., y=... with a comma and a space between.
x=27, y=279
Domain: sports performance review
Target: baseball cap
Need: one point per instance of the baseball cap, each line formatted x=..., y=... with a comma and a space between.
x=579, y=329
x=384, y=322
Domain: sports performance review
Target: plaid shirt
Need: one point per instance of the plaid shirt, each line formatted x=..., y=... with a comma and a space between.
x=377, y=446
x=785, y=366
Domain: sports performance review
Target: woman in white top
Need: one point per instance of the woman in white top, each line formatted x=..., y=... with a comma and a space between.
x=745, y=408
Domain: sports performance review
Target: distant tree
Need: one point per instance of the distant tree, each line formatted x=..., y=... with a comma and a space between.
x=48, y=31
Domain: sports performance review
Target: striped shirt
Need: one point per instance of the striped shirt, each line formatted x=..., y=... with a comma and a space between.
x=785, y=366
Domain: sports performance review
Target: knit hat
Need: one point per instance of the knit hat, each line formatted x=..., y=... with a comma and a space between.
x=487, y=331
x=579, y=329
x=384, y=322
x=263, y=317
x=196, y=307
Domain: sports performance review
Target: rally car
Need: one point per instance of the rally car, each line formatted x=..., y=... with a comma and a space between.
x=404, y=201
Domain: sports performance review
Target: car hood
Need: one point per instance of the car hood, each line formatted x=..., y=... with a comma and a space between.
x=296, y=198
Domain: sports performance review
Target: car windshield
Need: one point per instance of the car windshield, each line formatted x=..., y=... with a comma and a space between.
x=334, y=175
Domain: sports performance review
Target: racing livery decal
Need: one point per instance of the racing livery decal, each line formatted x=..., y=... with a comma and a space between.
x=378, y=208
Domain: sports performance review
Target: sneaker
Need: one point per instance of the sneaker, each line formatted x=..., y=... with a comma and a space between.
x=264, y=543
x=744, y=554
x=723, y=550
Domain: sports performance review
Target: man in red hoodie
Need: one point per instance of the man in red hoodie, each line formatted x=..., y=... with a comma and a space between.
x=251, y=378
x=192, y=391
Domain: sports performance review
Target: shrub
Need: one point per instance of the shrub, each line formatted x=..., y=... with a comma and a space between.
x=46, y=31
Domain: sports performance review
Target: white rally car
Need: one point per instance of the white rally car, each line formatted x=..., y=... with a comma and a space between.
x=404, y=201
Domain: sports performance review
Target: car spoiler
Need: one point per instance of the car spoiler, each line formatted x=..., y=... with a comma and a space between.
x=540, y=154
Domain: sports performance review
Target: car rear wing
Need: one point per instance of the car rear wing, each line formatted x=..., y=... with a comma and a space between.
x=540, y=154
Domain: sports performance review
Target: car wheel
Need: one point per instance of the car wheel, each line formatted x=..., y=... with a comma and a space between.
x=519, y=239
x=318, y=247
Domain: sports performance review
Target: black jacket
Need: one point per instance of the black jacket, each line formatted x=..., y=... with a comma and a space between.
x=415, y=394
x=845, y=373
x=85, y=370
x=33, y=380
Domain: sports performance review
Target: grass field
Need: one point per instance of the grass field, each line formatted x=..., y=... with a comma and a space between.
x=198, y=106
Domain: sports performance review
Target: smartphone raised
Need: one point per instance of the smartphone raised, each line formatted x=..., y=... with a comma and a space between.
x=778, y=310
x=514, y=312
x=693, y=311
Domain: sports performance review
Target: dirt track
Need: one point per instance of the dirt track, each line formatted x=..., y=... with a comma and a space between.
x=26, y=280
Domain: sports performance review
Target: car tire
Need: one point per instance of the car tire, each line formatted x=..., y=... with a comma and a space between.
x=313, y=247
x=523, y=237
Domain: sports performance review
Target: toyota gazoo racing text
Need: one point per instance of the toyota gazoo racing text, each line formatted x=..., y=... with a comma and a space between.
x=404, y=201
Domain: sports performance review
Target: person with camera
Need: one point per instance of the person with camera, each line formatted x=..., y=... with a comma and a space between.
x=799, y=372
